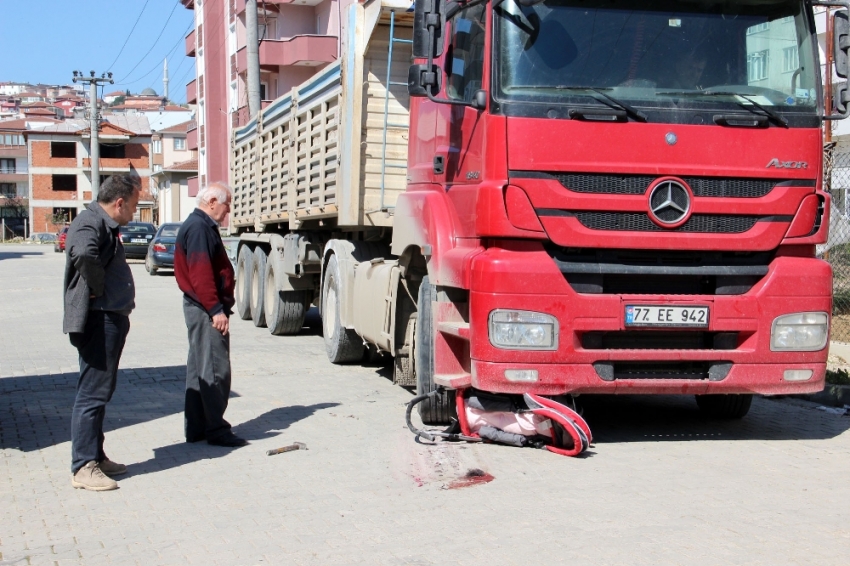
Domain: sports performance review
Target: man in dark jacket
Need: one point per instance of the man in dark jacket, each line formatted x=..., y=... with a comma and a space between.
x=205, y=275
x=99, y=296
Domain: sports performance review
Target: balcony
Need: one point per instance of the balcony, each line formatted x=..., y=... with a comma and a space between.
x=192, y=136
x=301, y=50
x=190, y=44
x=240, y=4
x=13, y=176
x=193, y=186
x=192, y=91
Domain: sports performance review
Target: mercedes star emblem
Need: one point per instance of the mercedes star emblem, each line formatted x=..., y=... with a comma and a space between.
x=669, y=202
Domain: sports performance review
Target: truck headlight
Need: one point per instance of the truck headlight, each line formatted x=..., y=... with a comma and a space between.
x=799, y=332
x=523, y=330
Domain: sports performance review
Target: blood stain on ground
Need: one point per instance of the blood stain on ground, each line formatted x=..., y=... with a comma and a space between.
x=472, y=477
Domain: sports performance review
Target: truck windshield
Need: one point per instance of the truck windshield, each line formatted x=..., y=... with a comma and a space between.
x=668, y=56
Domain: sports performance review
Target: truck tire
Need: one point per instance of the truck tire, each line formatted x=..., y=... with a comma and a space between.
x=725, y=406
x=341, y=344
x=244, y=267
x=258, y=287
x=440, y=409
x=284, y=310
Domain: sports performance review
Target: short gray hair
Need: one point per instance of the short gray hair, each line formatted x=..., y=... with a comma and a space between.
x=217, y=190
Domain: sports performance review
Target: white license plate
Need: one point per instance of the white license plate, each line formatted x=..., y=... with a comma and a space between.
x=654, y=315
x=138, y=241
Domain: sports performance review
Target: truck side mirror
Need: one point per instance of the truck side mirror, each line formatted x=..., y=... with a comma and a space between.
x=428, y=18
x=841, y=33
x=420, y=81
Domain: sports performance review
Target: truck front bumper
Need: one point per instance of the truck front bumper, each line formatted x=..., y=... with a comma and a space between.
x=742, y=362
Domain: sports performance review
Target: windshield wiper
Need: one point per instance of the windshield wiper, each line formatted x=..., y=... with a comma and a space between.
x=630, y=110
x=767, y=112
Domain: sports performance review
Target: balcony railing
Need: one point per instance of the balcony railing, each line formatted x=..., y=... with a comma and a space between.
x=192, y=136
x=190, y=44
x=302, y=50
x=192, y=91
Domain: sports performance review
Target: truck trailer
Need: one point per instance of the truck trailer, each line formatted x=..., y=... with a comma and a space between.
x=556, y=198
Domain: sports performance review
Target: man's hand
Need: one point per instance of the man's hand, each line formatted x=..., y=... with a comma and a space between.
x=221, y=323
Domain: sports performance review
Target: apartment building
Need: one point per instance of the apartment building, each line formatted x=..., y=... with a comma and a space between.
x=297, y=39
x=60, y=166
x=173, y=167
x=14, y=179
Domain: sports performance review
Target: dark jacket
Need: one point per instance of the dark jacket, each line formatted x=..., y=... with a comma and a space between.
x=201, y=266
x=95, y=265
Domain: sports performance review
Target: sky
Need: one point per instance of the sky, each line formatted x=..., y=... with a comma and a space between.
x=45, y=41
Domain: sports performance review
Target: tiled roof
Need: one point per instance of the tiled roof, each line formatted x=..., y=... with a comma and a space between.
x=177, y=129
x=174, y=108
x=38, y=104
x=137, y=124
x=30, y=95
x=116, y=93
x=38, y=112
x=190, y=165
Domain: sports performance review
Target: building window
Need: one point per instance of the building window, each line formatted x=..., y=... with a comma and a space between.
x=63, y=149
x=12, y=139
x=157, y=146
x=112, y=151
x=758, y=28
x=179, y=144
x=7, y=166
x=757, y=66
x=790, y=59
x=157, y=168
x=8, y=190
x=62, y=214
x=65, y=183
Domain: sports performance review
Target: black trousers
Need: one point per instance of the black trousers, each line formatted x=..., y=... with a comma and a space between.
x=100, y=346
x=207, y=376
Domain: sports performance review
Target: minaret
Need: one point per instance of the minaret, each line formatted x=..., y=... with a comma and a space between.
x=165, y=80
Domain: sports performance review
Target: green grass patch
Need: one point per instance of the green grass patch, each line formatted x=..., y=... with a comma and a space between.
x=838, y=377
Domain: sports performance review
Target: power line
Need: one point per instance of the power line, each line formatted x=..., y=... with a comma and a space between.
x=155, y=41
x=156, y=65
x=128, y=35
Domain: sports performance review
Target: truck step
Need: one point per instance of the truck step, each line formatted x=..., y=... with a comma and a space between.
x=459, y=329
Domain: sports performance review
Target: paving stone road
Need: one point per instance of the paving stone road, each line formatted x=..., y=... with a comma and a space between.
x=661, y=485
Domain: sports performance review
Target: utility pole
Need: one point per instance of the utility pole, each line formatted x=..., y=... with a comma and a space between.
x=93, y=81
x=253, y=48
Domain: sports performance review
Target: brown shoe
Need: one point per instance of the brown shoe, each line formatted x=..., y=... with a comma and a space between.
x=111, y=468
x=92, y=478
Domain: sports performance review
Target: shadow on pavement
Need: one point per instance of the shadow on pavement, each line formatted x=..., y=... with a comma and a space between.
x=18, y=255
x=35, y=410
x=655, y=418
x=267, y=425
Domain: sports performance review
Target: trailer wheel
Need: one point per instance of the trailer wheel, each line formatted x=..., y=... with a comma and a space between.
x=440, y=409
x=725, y=406
x=258, y=287
x=285, y=310
x=341, y=344
x=244, y=267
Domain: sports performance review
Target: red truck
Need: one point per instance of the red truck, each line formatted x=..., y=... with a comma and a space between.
x=559, y=197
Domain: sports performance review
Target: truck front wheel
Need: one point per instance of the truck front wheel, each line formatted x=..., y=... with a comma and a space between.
x=341, y=344
x=258, y=287
x=244, y=267
x=285, y=310
x=725, y=406
x=440, y=409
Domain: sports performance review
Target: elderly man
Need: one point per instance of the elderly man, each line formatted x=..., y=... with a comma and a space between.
x=99, y=296
x=205, y=276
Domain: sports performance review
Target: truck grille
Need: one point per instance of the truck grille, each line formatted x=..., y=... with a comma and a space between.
x=657, y=272
x=659, y=340
x=690, y=371
x=640, y=222
x=711, y=187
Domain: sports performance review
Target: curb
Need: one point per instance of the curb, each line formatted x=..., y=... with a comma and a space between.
x=832, y=395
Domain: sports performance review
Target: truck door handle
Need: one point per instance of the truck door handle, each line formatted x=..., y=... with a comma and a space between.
x=439, y=164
